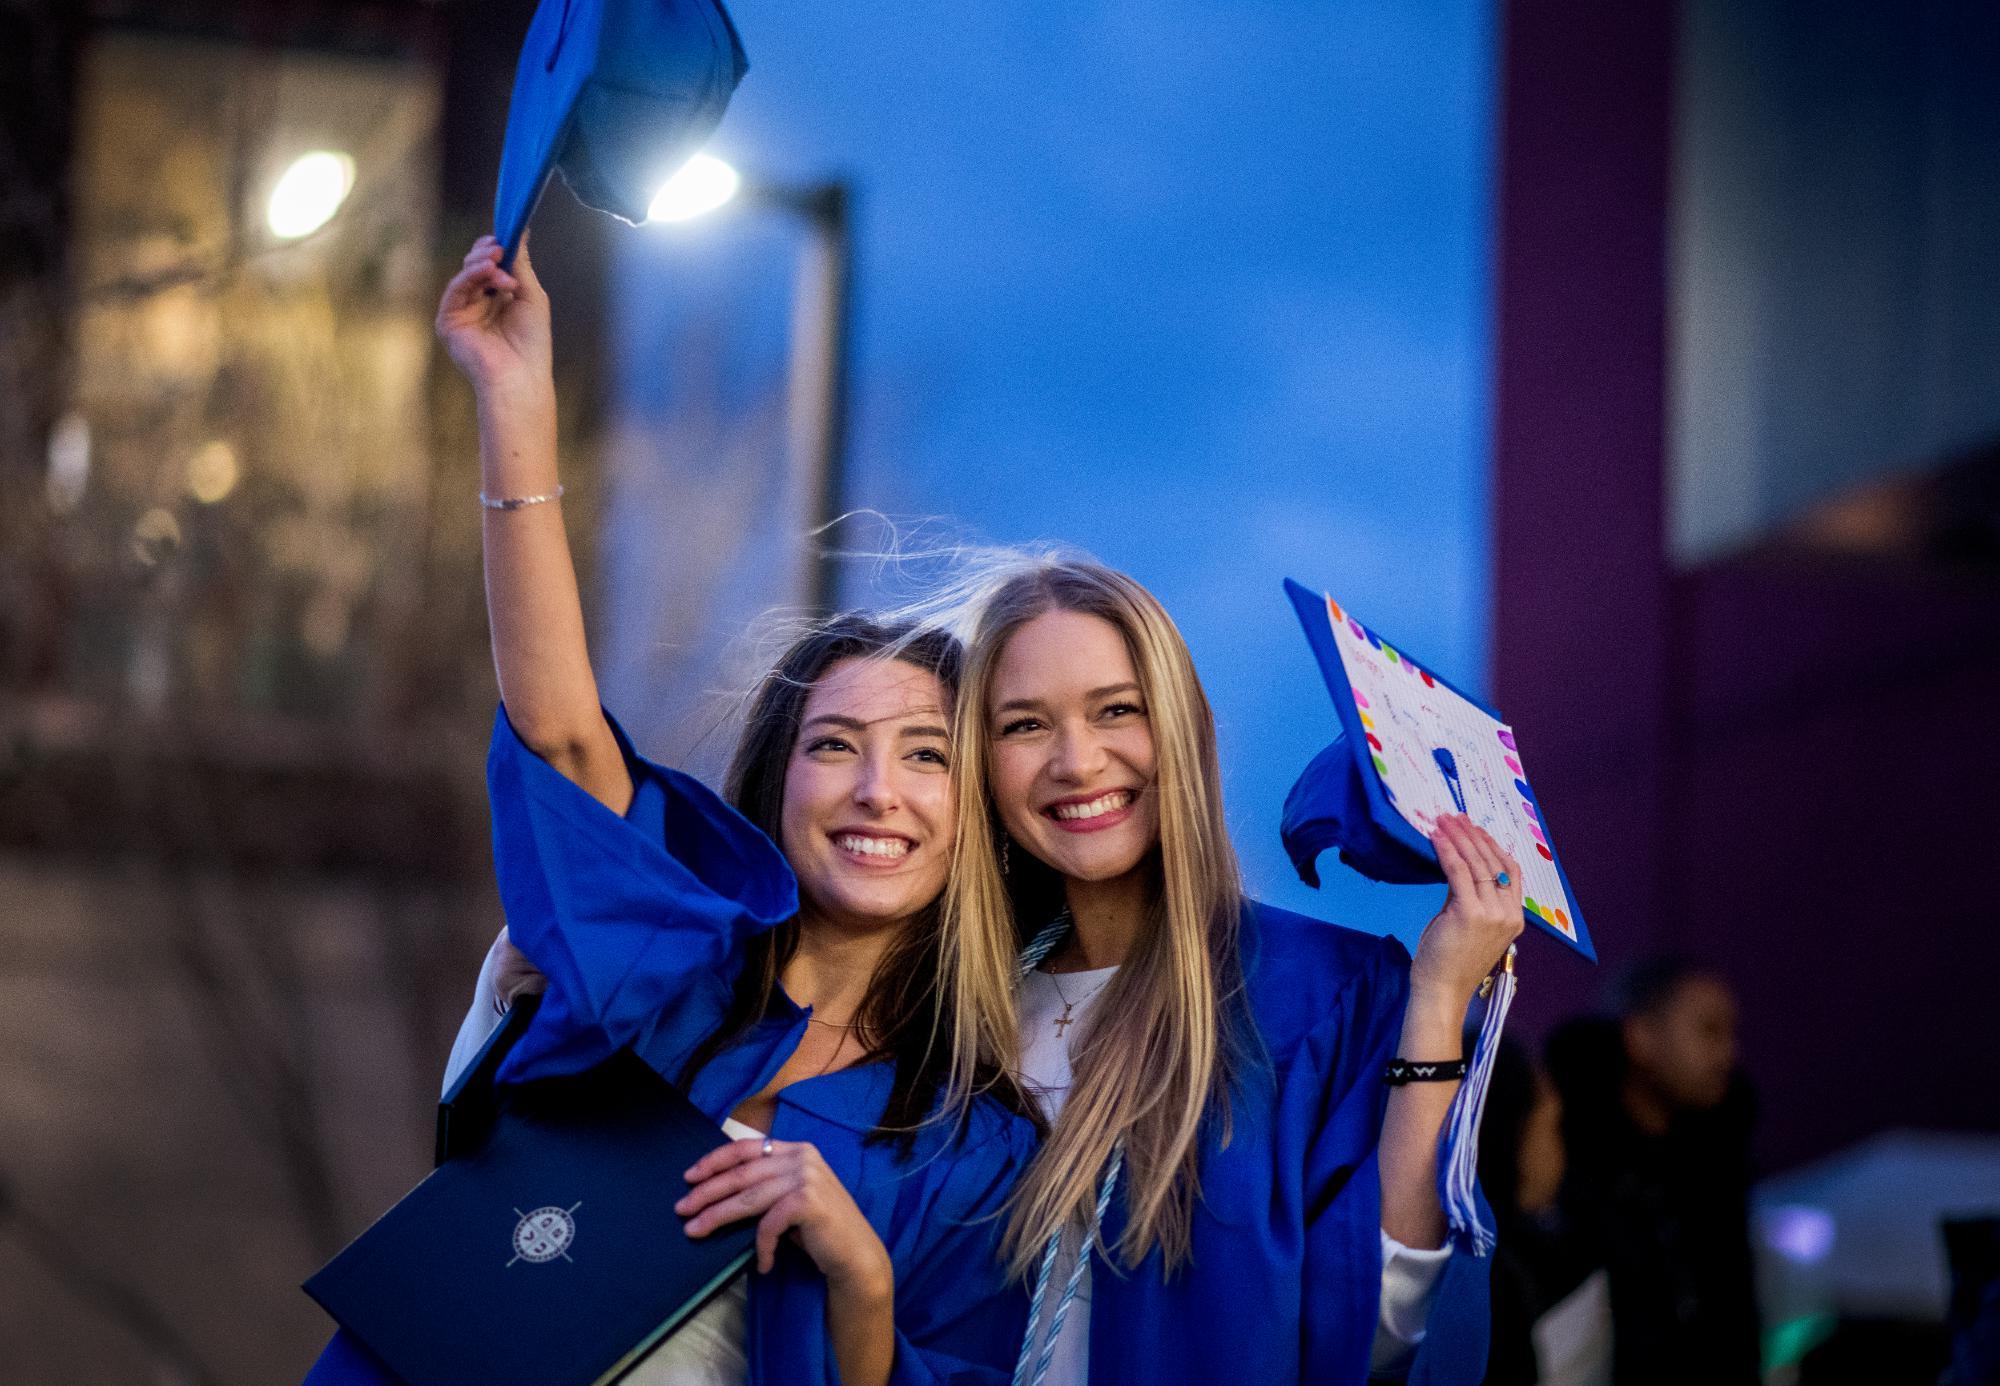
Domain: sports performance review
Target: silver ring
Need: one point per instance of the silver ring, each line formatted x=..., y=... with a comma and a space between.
x=767, y=1145
x=1503, y=879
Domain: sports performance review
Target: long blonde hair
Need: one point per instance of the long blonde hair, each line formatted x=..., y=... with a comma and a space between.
x=1154, y=1064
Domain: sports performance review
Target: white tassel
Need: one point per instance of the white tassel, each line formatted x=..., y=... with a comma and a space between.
x=1469, y=1108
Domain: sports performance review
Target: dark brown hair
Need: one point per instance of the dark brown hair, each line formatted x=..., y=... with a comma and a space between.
x=901, y=1017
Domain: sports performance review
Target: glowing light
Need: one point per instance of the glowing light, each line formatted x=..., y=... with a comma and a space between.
x=1802, y=1235
x=212, y=472
x=309, y=193
x=703, y=184
x=1786, y=1343
x=69, y=463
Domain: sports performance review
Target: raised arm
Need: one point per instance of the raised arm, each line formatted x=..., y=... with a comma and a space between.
x=496, y=327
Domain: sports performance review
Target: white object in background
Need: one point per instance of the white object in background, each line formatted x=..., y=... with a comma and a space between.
x=1573, y=1339
x=1857, y=1233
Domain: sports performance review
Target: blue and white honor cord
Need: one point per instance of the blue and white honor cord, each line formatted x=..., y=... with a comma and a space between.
x=1045, y=942
x=1042, y=1277
x=1461, y=1206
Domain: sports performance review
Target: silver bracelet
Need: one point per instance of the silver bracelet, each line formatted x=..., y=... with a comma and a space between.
x=518, y=502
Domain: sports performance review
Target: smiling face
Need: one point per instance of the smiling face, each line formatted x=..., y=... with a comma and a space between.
x=1072, y=747
x=868, y=814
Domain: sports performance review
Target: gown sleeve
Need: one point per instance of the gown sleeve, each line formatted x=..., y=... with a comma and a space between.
x=631, y=918
x=639, y=922
x=1343, y=1190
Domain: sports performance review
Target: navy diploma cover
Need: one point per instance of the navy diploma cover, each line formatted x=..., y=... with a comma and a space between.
x=548, y=1253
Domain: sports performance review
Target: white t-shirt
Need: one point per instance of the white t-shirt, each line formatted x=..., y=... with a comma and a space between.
x=1052, y=1011
x=707, y=1350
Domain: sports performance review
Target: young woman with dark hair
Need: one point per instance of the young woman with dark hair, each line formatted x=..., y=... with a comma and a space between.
x=778, y=958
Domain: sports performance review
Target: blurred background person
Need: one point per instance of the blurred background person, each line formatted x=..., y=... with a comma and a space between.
x=1551, y=1311
x=1656, y=1124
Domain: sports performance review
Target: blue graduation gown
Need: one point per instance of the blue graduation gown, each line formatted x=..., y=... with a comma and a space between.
x=640, y=924
x=1286, y=1277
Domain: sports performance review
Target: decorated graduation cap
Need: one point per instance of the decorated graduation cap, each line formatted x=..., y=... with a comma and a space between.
x=617, y=94
x=1411, y=748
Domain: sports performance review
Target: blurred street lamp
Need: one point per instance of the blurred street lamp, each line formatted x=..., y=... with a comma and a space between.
x=703, y=184
x=308, y=193
x=816, y=388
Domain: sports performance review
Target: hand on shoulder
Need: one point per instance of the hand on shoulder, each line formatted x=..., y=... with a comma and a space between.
x=513, y=975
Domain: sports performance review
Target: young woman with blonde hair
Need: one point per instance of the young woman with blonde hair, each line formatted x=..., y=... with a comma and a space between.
x=1254, y=1200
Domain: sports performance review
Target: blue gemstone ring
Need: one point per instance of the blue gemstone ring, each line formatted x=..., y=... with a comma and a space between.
x=1503, y=879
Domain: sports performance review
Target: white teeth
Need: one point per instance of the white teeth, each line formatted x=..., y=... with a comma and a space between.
x=872, y=846
x=1102, y=804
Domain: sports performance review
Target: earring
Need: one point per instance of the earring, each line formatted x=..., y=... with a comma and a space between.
x=1006, y=846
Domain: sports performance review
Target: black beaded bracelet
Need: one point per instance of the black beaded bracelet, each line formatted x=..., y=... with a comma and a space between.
x=1401, y=1071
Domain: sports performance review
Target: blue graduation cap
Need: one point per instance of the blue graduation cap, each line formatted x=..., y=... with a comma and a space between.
x=617, y=94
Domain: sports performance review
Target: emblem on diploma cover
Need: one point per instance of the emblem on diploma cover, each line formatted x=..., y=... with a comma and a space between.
x=544, y=1234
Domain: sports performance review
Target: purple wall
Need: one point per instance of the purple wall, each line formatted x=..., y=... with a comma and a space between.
x=1580, y=580
x=1783, y=762
x=1833, y=829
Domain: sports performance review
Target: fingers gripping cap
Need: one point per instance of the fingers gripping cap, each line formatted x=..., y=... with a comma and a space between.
x=617, y=94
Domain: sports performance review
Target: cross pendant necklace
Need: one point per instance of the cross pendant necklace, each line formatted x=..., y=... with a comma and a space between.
x=1063, y=1021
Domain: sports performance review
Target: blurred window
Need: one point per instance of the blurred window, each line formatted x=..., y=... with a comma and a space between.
x=239, y=489
x=1834, y=318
